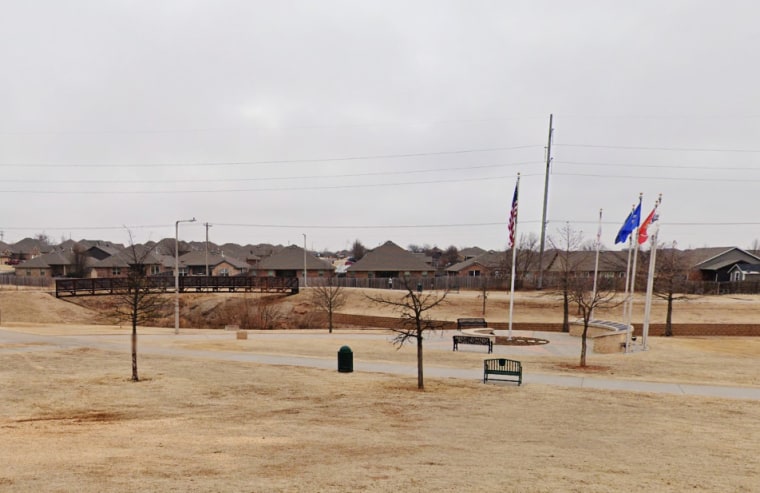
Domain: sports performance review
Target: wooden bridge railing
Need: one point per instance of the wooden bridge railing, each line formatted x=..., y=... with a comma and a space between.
x=165, y=284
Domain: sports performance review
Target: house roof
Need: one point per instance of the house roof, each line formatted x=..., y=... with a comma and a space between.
x=389, y=257
x=29, y=244
x=125, y=258
x=718, y=258
x=292, y=258
x=746, y=268
x=195, y=259
x=489, y=260
x=47, y=260
x=471, y=252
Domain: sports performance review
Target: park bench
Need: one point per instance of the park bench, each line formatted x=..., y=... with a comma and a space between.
x=479, y=340
x=471, y=323
x=504, y=367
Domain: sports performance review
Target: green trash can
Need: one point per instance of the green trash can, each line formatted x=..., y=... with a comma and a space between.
x=345, y=360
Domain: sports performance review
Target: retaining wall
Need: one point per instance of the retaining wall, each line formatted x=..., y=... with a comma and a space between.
x=654, y=329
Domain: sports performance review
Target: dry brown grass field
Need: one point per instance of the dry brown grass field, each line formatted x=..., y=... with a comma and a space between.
x=73, y=421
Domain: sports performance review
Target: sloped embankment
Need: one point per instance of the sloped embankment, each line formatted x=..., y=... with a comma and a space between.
x=41, y=307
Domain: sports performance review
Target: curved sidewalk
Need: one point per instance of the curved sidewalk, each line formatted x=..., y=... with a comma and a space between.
x=21, y=341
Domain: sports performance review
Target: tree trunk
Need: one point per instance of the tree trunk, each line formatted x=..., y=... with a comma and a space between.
x=669, y=317
x=565, y=312
x=329, y=321
x=583, y=343
x=134, y=351
x=420, y=380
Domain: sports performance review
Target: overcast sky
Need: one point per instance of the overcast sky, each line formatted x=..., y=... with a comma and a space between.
x=395, y=120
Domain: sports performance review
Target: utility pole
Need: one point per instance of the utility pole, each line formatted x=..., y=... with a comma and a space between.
x=207, y=226
x=304, y=259
x=540, y=283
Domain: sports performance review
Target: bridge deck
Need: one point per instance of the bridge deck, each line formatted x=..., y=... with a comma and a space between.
x=164, y=284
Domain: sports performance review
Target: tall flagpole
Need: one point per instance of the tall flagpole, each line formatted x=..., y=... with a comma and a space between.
x=650, y=278
x=627, y=280
x=632, y=291
x=596, y=262
x=513, y=237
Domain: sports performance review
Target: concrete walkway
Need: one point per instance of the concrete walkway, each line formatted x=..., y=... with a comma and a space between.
x=155, y=342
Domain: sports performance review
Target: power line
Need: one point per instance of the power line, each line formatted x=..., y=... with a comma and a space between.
x=279, y=178
x=645, y=148
x=250, y=190
x=661, y=178
x=266, y=162
x=718, y=167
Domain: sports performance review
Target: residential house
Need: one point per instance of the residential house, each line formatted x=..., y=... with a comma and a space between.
x=291, y=261
x=582, y=263
x=390, y=261
x=471, y=252
x=195, y=264
x=488, y=264
x=49, y=265
x=118, y=265
x=715, y=264
x=744, y=272
x=28, y=248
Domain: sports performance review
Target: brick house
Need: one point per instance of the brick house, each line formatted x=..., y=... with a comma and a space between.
x=291, y=261
x=390, y=261
x=488, y=264
x=118, y=265
x=194, y=264
x=48, y=265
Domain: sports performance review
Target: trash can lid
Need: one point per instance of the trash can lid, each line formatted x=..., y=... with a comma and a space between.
x=344, y=349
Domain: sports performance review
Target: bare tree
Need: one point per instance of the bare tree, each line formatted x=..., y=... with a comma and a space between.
x=328, y=298
x=358, y=250
x=450, y=256
x=414, y=308
x=670, y=280
x=527, y=256
x=566, y=243
x=79, y=261
x=137, y=303
x=581, y=293
x=484, y=291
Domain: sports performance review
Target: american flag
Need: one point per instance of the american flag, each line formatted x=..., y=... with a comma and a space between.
x=513, y=216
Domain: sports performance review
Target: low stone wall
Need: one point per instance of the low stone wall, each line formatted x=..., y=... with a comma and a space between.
x=655, y=330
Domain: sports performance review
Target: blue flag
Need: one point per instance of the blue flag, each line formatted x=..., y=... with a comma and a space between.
x=630, y=224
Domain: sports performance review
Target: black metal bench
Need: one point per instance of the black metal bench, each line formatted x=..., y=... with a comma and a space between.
x=479, y=340
x=504, y=367
x=471, y=323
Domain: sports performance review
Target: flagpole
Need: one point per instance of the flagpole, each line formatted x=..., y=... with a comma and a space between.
x=513, y=236
x=626, y=314
x=650, y=278
x=650, y=285
x=633, y=270
x=596, y=262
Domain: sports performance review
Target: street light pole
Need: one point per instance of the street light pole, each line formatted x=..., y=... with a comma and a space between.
x=207, y=226
x=176, y=271
x=304, y=260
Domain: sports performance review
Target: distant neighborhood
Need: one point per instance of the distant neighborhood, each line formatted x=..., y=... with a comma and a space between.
x=35, y=258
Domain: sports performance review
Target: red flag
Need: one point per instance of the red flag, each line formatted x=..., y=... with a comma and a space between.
x=652, y=217
x=513, y=217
